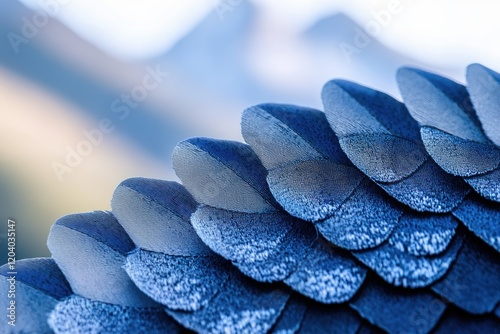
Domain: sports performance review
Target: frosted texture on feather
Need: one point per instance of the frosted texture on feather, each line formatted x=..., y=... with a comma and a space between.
x=473, y=282
x=281, y=134
x=326, y=275
x=397, y=310
x=180, y=283
x=156, y=215
x=482, y=218
x=33, y=307
x=440, y=103
x=313, y=190
x=371, y=117
x=423, y=233
x=429, y=189
x=274, y=142
x=41, y=274
x=346, y=115
x=266, y=247
x=407, y=270
x=78, y=315
x=458, y=322
x=460, y=156
x=101, y=226
x=312, y=126
x=354, y=109
x=242, y=306
x=39, y=284
x=365, y=219
x=383, y=157
x=487, y=185
x=93, y=268
x=483, y=85
x=332, y=319
x=223, y=174
x=291, y=317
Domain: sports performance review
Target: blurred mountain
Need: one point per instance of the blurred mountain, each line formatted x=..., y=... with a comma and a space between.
x=343, y=49
x=93, y=97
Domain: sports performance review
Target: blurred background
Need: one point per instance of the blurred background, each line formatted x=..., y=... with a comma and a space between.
x=93, y=92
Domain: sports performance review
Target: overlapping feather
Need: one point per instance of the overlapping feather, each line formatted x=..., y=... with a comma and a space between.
x=375, y=215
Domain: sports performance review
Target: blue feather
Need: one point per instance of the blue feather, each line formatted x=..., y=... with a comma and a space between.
x=483, y=85
x=397, y=310
x=156, y=214
x=267, y=247
x=451, y=130
x=37, y=287
x=381, y=139
x=90, y=249
x=424, y=234
x=242, y=306
x=179, y=282
x=79, y=315
x=473, y=282
x=327, y=275
x=365, y=220
x=482, y=218
x=292, y=316
x=402, y=268
x=459, y=322
x=312, y=178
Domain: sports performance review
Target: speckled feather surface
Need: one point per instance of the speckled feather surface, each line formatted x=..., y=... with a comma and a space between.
x=373, y=216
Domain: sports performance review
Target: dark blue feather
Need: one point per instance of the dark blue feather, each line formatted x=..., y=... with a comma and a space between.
x=179, y=282
x=312, y=179
x=100, y=226
x=330, y=319
x=397, y=310
x=313, y=190
x=89, y=249
x=482, y=218
x=223, y=174
x=440, y=103
x=483, y=85
x=292, y=316
x=156, y=213
x=35, y=286
x=381, y=139
x=327, y=275
x=267, y=247
x=430, y=189
x=459, y=156
x=473, y=282
x=424, y=234
x=451, y=130
x=365, y=220
x=459, y=322
x=402, y=268
x=242, y=306
x=487, y=185
x=79, y=315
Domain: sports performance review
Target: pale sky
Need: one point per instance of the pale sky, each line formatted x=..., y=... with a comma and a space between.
x=425, y=29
